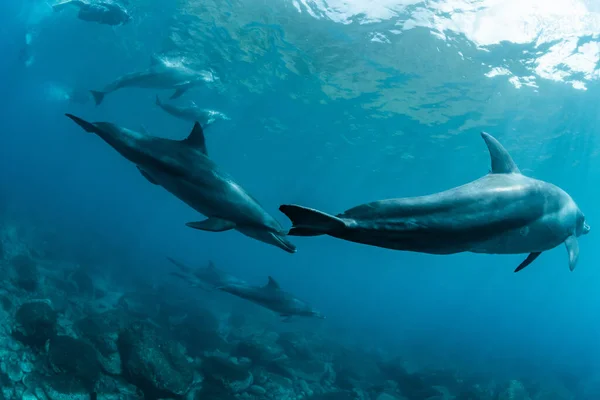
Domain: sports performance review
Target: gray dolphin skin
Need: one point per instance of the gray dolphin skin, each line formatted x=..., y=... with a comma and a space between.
x=207, y=278
x=192, y=113
x=503, y=212
x=273, y=298
x=162, y=74
x=184, y=169
x=102, y=12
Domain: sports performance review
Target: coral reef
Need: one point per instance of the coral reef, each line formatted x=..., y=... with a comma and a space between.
x=70, y=335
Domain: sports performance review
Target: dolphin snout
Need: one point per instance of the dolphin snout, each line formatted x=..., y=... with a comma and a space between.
x=586, y=228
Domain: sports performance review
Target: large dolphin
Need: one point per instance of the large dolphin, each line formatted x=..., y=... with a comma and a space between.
x=207, y=278
x=162, y=74
x=184, y=169
x=503, y=212
x=102, y=12
x=273, y=298
x=192, y=113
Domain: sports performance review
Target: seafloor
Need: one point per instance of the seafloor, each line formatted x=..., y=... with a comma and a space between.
x=71, y=331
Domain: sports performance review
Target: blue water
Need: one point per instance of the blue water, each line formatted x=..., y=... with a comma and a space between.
x=324, y=116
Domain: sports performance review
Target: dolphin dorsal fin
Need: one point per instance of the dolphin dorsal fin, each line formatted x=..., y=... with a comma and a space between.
x=272, y=284
x=502, y=162
x=196, y=139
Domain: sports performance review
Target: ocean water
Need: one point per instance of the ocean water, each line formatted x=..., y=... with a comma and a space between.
x=330, y=105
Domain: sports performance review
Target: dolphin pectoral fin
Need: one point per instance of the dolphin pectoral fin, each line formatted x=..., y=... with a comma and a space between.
x=530, y=258
x=98, y=96
x=502, y=162
x=573, y=249
x=285, y=317
x=212, y=225
x=148, y=177
x=179, y=92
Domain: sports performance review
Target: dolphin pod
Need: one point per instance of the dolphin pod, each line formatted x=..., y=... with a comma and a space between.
x=504, y=212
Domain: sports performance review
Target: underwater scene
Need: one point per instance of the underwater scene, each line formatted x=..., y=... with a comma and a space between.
x=300, y=199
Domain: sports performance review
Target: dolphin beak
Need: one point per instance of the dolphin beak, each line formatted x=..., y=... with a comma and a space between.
x=586, y=228
x=283, y=243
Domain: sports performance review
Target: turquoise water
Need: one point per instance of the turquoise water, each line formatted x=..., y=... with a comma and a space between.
x=331, y=105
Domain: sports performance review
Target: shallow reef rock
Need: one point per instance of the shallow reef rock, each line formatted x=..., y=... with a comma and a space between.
x=199, y=332
x=36, y=322
x=102, y=331
x=515, y=390
x=74, y=357
x=27, y=276
x=152, y=362
x=259, y=350
x=83, y=281
x=227, y=373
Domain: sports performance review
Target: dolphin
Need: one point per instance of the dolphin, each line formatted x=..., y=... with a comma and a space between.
x=273, y=298
x=207, y=278
x=162, y=74
x=504, y=212
x=184, y=169
x=102, y=12
x=192, y=113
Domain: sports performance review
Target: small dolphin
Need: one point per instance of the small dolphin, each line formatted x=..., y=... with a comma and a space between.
x=207, y=278
x=102, y=12
x=162, y=74
x=503, y=212
x=192, y=113
x=272, y=297
x=184, y=169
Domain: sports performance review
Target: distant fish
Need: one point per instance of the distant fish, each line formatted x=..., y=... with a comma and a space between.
x=160, y=75
x=273, y=298
x=106, y=13
x=192, y=113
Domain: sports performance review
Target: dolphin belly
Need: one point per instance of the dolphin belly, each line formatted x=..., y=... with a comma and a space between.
x=214, y=198
x=490, y=215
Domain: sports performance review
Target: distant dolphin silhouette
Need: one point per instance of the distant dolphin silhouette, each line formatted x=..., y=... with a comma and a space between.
x=503, y=212
x=184, y=169
x=273, y=298
x=191, y=113
x=102, y=12
x=160, y=75
x=208, y=278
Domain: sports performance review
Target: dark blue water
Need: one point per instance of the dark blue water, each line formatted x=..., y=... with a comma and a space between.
x=324, y=116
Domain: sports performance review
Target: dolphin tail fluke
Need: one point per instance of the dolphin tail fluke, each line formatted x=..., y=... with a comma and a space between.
x=310, y=222
x=87, y=126
x=98, y=96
